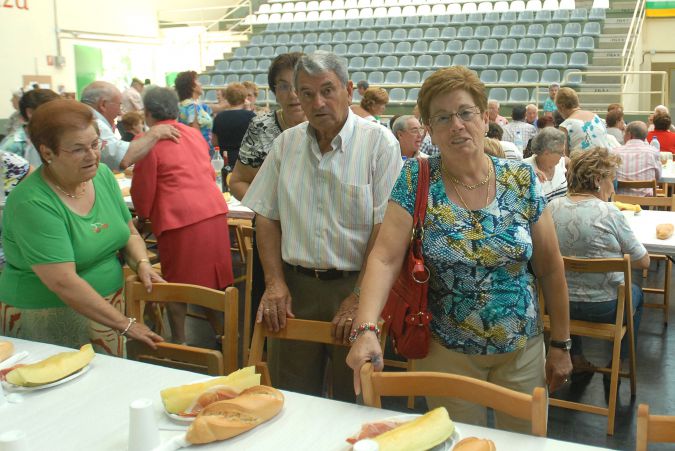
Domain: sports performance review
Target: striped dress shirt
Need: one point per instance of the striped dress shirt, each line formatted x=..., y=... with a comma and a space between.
x=639, y=161
x=327, y=204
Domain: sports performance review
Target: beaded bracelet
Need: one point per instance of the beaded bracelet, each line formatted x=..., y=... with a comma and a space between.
x=362, y=329
x=132, y=321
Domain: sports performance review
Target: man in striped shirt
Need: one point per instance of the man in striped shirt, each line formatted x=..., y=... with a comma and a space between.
x=320, y=197
x=639, y=160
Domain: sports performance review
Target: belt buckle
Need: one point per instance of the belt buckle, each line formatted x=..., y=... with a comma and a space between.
x=319, y=271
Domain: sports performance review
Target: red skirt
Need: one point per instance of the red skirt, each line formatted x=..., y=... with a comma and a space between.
x=198, y=254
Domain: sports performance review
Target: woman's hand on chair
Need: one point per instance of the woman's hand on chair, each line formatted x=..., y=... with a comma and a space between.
x=275, y=306
x=147, y=274
x=366, y=348
x=142, y=333
x=343, y=322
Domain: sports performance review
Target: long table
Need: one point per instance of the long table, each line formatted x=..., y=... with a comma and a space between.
x=236, y=209
x=644, y=226
x=91, y=413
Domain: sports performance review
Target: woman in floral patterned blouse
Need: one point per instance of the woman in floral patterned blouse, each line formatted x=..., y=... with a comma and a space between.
x=192, y=111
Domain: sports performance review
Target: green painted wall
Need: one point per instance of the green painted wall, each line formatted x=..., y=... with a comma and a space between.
x=88, y=66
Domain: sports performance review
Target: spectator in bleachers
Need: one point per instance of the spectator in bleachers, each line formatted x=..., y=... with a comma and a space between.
x=263, y=129
x=518, y=131
x=531, y=114
x=15, y=120
x=584, y=129
x=19, y=142
x=133, y=124
x=510, y=150
x=131, y=97
x=229, y=126
x=549, y=104
x=193, y=111
x=493, y=113
x=361, y=87
x=549, y=162
x=615, y=124
x=410, y=134
x=662, y=123
x=105, y=99
x=251, y=95
x=639, y=160
x=373, y=104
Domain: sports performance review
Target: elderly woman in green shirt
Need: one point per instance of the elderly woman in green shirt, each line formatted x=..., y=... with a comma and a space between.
x=63, y=228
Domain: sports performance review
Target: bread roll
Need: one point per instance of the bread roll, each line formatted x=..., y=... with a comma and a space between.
x=664, y=231
x=6, y=350
x=52, y=368
x=226, y=419
x=475, y=444
x=422, y=433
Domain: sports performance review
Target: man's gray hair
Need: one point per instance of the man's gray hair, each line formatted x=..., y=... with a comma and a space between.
x=637, y=129
x=161, y=103
x=96, y=91
x=321, y=62
x=554, y=85
x=493, y=102
x=550, y=139
x=531, y=106
x=401, y=123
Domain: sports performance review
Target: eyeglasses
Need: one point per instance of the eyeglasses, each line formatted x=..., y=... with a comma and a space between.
x=80, y=150
x=443, y=120
x=284, y=87
x=417, y=130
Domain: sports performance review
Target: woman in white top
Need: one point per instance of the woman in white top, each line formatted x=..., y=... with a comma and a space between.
x=549, y=162
x=584, y=129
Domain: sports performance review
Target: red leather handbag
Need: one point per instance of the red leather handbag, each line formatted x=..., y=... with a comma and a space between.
x=405, y=313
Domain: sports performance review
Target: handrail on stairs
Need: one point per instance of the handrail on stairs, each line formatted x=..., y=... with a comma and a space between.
x=628, y=52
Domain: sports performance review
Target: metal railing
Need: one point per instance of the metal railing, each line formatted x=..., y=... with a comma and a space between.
x=632, y=37
x=206, y=20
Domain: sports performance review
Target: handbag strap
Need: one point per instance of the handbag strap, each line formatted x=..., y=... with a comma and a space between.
x=421, y=196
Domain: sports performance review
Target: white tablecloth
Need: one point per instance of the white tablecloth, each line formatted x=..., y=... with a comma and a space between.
x=644, y=226
x=91, y=413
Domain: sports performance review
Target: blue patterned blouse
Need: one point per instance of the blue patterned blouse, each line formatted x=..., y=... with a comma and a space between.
x=481, y=294
x=187, y=110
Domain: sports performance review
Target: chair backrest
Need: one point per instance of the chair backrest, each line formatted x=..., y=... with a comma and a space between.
x=667, y=203
x=226, y=302
x=653, y=428
x=532, y=407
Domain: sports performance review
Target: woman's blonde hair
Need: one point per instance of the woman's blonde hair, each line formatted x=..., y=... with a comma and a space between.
x=447, y=80
x=567, y=99
x=372, y=97
x=249, y=85
x=588, y=166
x=492, y=147
x=236, y=93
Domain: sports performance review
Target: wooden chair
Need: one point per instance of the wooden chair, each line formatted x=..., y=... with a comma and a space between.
x=226, y=302
x=406, y=364
x=246, y=233
x=666, y=203
x=633, y=184
x=296, y=329
x=532, y=407
x=653, y=428
x=613, y=332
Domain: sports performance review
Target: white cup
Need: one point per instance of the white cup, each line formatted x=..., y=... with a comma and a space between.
x=143, y=430
x=15, y=440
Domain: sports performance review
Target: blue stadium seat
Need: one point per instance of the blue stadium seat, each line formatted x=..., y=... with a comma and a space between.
x=490, y=46
x=498, y=94
x=357, y=63
x=518, y=60
x=424, y=62
x=222, y=65
x=387, y=48
x=283, y=39
x=554, y=30
x=354, y=36
x=500, y=31
x=249, y=66
x=471, y=46
x=597, y=14
x=397, y=95
x=489, y=76
x=420, y=48
x=277, y=51
x=232, y=78
x=263, y=66
x=400, y=34
x=465, y=33
x=427, y=74
x=325, y=25
x=543, y=16
x=355, y=49
x=309, y=38
x=565, y=44
x=311, y=48
x=529, y=76
x=535, y=30
x=592, y=29
x=482, y=32
x=508, y=45
x=352, y=24
x=312, y=25
x=412, y=77
x=573, y=29
x=442, y=61
x=389, y=62
x=358, y=76
x=432, y=33
x=436, y=47
x=298, y=27
x=578, y=60
x=519, y=95
x=240, y=52
x=413, y=94
x=558, y=60
x=498, y=61
x=384, y=36
x=326, y=48
x=508, y=76
x=491, y=18
x=561, y=15
x=340, y=49
x=393, y=77
x=267, y=52
x=270, y=39
x=325, y=38
x=211, y=96
x=373, y=63
x=509, y=17
x=272, y=27
x=585, y=43
x=427, y=21
x=356, y=97
x=546, y=44
x=396, y=22
x=525, y=16
x=579, y=14
x=448, y=33
x=376, y=77
x=442, y=20
x=284, y=27
x=371, y=48
x=406, y=62
x=369, y=36
x=256, y=39
x=458, y=19
x=403, y=48
x=474, y=18
x=461, y=60
x=261, y=80
x=338, y=37
x=517, y=31
x=381, y=23
x=205, y=79
x=236, y=66
x=415, y=34
x=479, y=61
x=538, y=60
x=550, y=76
x=412, y=21
x=527, y=45
x=453, y=47
x=245, y=77
x=574, y=79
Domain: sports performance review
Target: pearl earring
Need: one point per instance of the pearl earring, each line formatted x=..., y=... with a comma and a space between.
x=49, y=161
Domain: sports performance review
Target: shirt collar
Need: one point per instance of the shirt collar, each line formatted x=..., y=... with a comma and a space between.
x=100, y=117
x=343, y=139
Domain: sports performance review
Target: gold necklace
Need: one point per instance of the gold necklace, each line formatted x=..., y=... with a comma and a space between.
x=66, y=193
x=472, y=187
x=476, y=224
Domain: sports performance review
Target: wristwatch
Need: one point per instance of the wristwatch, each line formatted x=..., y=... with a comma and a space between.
x=564, y=344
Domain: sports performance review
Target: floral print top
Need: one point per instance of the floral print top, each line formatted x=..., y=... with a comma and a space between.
x=188, y=109
x=257, y=142
x=585, y=135
x=481, y=294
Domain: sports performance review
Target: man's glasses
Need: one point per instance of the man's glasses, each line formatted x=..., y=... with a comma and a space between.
x=82, y=150
x=417, y=130
x=443, y=120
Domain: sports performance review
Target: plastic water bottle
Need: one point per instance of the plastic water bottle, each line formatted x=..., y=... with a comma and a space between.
x=655, y=143
x=218, y=163
x=518, y=141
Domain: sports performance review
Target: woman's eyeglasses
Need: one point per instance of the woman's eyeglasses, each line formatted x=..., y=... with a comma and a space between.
x=443, y=119
x=81, y=150
x=284, y=87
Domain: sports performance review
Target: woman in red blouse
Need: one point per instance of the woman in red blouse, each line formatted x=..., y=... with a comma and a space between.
x=662, y=132
x=174, y=186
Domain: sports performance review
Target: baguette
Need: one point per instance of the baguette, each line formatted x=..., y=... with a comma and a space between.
x=475, y=444
x=226, y=419
x=664, y=231
x=6, y=350
x=623, y=206
x=423, y=433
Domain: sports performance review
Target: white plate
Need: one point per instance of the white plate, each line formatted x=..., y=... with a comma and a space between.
x=445, y=446
x=75, y=375
x=179, y=418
